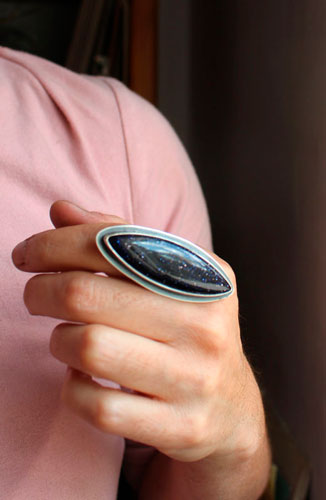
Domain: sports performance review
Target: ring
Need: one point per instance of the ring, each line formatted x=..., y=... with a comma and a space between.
x=163, y=263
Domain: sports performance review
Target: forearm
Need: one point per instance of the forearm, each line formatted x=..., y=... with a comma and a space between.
x=242, y=478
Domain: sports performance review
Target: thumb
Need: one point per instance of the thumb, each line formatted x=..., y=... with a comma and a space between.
x=64, y=213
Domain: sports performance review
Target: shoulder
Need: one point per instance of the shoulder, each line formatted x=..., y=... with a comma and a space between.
x=165, y=188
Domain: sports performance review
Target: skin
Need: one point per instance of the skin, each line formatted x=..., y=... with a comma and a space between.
x=196, y=399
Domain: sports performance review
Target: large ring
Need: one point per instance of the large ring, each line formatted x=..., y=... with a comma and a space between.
x=164, y=263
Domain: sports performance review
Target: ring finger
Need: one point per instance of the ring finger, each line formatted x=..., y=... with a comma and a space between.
x=116, y=355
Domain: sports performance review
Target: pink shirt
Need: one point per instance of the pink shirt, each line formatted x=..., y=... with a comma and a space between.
x=92, y=141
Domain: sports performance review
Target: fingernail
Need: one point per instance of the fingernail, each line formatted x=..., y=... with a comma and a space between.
x=98, y=214
x=77, y=207
x=18, y=254
x=86, y=212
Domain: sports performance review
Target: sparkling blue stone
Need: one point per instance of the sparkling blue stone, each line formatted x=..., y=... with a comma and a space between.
x=170, y=264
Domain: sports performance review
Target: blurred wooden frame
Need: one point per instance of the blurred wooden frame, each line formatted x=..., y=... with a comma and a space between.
x=143, y=48
x=139, y=41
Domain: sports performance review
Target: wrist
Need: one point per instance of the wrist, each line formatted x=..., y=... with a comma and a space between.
x=239, y=472
x=247, y=430
x=238, y=477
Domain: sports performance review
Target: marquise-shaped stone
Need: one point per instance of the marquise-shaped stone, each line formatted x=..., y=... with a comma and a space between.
x=169, y=264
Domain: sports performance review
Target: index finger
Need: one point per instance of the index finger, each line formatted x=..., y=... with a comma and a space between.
x=67, y=248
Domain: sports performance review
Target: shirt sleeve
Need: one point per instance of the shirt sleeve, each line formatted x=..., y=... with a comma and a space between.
x=166, y=195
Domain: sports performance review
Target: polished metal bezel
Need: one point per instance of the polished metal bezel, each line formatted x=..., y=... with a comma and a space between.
x=110, y=254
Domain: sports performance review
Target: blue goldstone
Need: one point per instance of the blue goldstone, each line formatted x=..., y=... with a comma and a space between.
x=169, y=264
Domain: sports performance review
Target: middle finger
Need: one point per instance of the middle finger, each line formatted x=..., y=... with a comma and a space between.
x=83, y=297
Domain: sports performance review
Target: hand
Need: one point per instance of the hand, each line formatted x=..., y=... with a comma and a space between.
x=194, y=392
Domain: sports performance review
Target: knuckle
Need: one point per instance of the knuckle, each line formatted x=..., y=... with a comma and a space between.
x=106, y=415
x=194, y=431
x=55, y=339
x=101, y=415
x=90, y=348
x=77, y=294
x=211, y=343
x=202, y=384
x=199, y=383
x=217, y=339
x=227, y=266
x=229, y=271
x=205, y=332
x=193, y=325
x=29, y=292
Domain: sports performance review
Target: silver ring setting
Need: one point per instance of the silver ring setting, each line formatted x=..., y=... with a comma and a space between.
x=163, y=263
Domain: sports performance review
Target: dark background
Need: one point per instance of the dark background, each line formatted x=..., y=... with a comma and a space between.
x=249, y=101
x=40, y=26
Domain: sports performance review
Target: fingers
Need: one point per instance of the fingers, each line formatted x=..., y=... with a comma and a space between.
x=133, y=416
x=170, y=429
x=86, y=298
x=71, y=247
x=177, y=356
x=65, y=213
x=115, y=355
x=66, y=248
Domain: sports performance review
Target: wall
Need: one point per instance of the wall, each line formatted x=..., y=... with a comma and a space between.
x=249, y=102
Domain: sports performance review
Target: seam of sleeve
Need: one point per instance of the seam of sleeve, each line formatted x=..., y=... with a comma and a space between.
x=124, y=136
